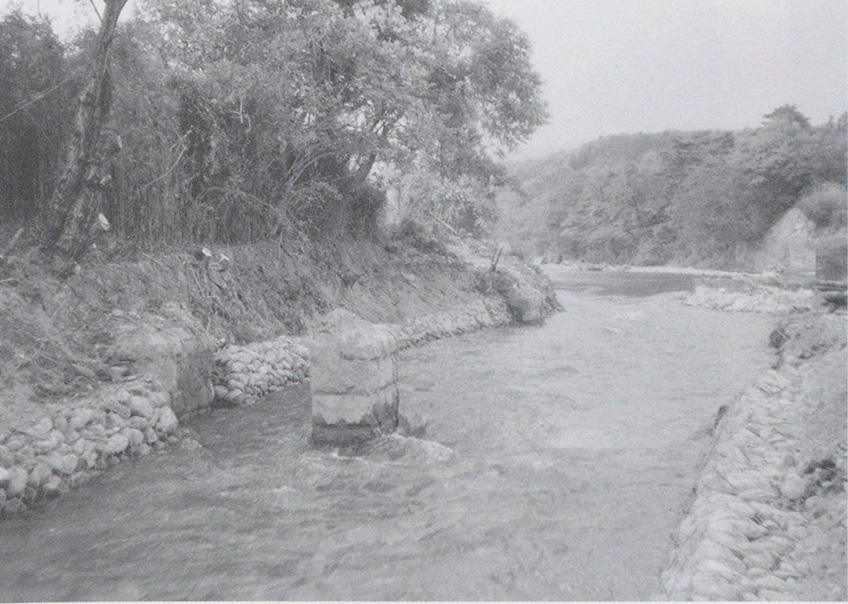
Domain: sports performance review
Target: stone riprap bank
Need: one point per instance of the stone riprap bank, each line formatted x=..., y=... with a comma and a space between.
x=168, y=358
x=247, y=374
x=73, y=444
x=768, y=519
x=481, y=314
x=760, y=299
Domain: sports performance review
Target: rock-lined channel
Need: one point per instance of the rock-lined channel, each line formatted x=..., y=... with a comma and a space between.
x=556, y=463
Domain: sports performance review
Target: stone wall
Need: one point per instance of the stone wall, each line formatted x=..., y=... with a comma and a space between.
x=247, y=374
x=174, y=373
x=73, y=441
x=167, y=361
x=767, y=520
x=480, y=314
x=72, y=444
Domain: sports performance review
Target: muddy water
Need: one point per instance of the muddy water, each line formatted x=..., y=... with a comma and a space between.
x=554, y=466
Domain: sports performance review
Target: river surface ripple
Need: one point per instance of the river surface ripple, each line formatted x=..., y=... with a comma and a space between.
x=555, y=464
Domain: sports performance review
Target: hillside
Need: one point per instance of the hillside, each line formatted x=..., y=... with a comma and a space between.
x=705, y=198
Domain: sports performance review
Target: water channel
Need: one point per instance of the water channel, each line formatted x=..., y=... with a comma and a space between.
x=555, y=464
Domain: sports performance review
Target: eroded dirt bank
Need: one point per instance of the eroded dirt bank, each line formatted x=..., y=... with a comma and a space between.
x=102, y=366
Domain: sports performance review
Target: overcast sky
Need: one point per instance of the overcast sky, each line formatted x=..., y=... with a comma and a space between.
x=626, y=66
x=613, y=66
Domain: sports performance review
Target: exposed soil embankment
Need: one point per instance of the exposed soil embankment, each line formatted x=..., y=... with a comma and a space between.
x=101, y=366
x=767, y=519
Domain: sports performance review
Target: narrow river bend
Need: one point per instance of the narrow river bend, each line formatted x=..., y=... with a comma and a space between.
x=555, y=464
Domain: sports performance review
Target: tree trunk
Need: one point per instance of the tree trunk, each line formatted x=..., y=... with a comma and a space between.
x=79, y=193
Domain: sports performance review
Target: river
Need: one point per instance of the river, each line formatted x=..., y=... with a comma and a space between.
x=555, y=465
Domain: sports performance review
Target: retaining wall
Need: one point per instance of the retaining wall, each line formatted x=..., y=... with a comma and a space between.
x=175, y=374
x=72, y=444
x=247, y=374
x=480, y=314
x=767, y=517
x=169, y=359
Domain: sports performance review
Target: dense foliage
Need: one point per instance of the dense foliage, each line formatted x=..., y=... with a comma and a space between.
x=688, y=197
x=242, y=119
x=32, y=63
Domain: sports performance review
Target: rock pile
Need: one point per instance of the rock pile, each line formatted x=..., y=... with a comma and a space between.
x=762, y=299
x=767, y=519
x=246, y=374
x=526, y=303
x=70, y=445
x=354, y=380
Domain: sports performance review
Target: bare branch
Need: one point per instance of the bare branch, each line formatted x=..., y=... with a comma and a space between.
x=168, y=171
x=94, y=6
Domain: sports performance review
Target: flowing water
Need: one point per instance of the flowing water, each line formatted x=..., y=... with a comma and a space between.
x=555, y=464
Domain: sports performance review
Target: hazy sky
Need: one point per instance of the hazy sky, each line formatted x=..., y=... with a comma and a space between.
x=613, y=66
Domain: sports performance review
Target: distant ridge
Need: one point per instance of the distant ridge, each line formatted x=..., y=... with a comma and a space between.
x=703, y=197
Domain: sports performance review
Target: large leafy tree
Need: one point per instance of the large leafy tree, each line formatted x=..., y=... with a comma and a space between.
x=481, y=98
x=238, y=118
x=291, y=106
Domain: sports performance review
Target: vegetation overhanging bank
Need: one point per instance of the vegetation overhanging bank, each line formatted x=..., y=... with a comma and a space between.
x=219, y=122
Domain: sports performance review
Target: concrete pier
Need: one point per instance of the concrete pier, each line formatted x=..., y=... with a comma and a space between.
x=354, y=380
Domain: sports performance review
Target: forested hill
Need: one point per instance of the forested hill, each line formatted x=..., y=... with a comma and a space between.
x=696, y=198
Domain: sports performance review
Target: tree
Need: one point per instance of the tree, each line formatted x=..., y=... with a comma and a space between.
x=774, y=165
x=789, y=114
x=828, y=153
x=479, y=97
x=86, y=173
x=301, y=106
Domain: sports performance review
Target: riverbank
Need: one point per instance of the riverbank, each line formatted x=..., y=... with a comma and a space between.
x=767, y=516
x=554, y=464
x=761, y=292
x=767, y=520
x=766, y=277
x=103, y=365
